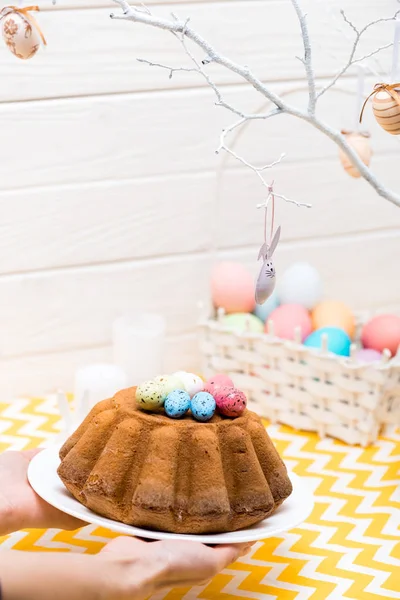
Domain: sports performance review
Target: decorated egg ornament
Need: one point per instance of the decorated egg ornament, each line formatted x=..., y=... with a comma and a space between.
x=386, y=106
x=20, y=31
x=359, y=142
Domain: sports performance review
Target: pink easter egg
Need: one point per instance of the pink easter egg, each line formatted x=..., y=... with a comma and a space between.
x=218, y=381
x=367, y=355
x=383, y=331
x=286, y=318
x=232, y=288
x=230, y=401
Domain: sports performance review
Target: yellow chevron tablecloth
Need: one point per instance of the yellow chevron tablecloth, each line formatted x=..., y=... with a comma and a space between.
x=348, y=548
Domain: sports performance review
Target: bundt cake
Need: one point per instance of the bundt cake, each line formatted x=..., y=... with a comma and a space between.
x=181, y=476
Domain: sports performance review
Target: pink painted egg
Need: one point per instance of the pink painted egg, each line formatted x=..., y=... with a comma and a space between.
x=218, y=381
x=232, y=288
x=230, y=401
x=383, y=331
x=286, y=318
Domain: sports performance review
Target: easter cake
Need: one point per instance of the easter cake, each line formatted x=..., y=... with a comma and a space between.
x=190, y=459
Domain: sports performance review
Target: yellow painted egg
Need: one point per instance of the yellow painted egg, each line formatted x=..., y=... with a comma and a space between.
x=361, y=144
x=387, y=111
x=20, y=35
x=332, y=313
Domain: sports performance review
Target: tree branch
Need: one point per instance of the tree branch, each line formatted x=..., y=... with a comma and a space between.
x=307, y=60
x=184, y=31
x=352, y=60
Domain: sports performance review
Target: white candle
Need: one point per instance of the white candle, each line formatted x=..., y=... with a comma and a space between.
x=94, y=383
x=138, y=346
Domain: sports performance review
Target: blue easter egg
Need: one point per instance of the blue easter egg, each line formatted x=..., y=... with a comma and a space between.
x=177, y=403
x=338, y=340
x=262, y=311
x=203, y=406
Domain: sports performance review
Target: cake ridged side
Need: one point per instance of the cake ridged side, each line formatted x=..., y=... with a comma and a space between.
x=184, y=477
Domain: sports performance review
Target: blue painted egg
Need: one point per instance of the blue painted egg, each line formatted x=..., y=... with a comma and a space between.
x=177, y=404
x=203, y=406
x=338, y=340
x=262, y=311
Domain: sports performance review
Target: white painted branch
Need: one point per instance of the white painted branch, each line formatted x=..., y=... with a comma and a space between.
x=352, y=60
x=307, y=60
x=182, y=28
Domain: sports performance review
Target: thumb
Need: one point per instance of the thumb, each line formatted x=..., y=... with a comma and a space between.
x=29, y=454
x=229, y=553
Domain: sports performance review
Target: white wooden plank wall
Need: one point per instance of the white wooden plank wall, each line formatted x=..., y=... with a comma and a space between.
x=108, y=179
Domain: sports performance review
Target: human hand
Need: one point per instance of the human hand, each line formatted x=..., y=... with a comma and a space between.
x=126, y=569
x=167, y=563
x=20, y=506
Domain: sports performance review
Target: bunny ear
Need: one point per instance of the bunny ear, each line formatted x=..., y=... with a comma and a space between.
x=263, y=251
x=274, y=242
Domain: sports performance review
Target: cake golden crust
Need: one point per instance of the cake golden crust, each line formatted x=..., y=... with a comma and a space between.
x=181, y=476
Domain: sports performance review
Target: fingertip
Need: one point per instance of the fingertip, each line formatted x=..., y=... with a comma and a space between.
x=229, y=553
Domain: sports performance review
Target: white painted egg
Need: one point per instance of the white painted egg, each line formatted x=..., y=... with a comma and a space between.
x=20, y=35
x=193, y=383
x=300, y=284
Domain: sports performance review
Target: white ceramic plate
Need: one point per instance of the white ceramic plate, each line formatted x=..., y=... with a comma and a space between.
x=42, y=475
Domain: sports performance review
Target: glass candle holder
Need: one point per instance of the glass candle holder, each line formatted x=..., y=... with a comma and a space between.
x=138, y=345
x=94, y=383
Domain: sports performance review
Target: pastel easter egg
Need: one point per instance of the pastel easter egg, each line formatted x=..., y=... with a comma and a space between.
x=20, y=35
x=149, y=395
x=287, y=318
x=202, y=406
x=217, y=381
x=383, y=331
x=262, y=311
x=192, y=383
x=300, y=284
x=338, y=340
x=241, y=322
x=360, y=143
x=368, y=355
x=332, y=313
x=232, y=288
x=230, y=402
x=171, y=383
x=177, y=403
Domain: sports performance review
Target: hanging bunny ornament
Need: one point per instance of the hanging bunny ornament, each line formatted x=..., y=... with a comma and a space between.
x=266, y=280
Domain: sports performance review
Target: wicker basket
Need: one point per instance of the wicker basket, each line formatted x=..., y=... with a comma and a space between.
x=305, y=388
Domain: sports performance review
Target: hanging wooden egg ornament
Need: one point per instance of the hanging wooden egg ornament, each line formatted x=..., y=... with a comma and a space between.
x=20, y=31
x=359, y=141
x=386, y=106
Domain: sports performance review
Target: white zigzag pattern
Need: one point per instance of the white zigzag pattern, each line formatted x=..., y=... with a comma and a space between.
x=33, y=422
x=331, y=514
x=12, y=540
x=47, y=540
